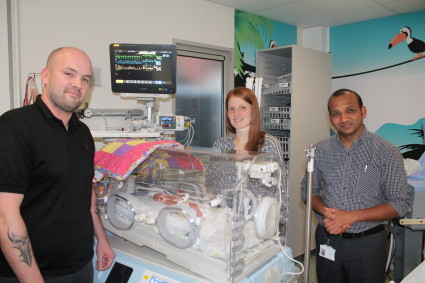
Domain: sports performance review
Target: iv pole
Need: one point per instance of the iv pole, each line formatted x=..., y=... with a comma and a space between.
x=310, y=153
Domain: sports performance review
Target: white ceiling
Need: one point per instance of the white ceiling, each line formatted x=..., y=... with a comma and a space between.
x=328, y=13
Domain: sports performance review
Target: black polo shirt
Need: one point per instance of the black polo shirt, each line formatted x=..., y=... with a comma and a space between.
x=53, y=169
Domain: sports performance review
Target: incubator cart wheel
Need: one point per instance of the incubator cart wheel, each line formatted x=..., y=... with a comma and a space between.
x=177, y=225
x=267, y=217
x=121, y=210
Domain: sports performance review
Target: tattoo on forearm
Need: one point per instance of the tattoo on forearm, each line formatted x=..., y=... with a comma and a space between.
x=22, y=243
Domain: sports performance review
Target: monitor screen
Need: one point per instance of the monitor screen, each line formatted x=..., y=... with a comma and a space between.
x=143, y=68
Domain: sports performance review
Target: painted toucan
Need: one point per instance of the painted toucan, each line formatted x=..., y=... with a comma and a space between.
x=272, y=44
x=415, y=45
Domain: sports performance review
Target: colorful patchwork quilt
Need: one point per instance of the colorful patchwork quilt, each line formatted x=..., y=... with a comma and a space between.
x=149, y=170
x=118, y=159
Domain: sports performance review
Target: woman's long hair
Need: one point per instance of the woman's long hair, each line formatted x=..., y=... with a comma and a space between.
x=256, y=135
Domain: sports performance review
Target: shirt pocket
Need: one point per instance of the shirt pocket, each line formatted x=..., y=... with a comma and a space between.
x=368, y=183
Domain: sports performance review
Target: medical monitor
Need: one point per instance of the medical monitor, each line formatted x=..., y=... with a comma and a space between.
x=143, y=68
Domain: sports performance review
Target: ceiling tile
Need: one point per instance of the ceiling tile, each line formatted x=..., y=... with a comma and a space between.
x=407, y=6
x=310, y=13
x=253, y=5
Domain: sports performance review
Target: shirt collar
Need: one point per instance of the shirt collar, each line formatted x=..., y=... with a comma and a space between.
x=365, y=134
x=74, y=121
x=362, y=137
x=43, y=108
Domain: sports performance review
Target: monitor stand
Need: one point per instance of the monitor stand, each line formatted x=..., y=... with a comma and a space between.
x=149, y=100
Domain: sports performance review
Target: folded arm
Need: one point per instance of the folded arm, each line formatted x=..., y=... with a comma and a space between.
x=337, y=221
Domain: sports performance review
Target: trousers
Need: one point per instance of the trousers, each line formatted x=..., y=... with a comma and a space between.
x=359, y=260
x=84, y=275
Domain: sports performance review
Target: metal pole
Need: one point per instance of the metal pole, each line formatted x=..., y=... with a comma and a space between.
x=310, y=152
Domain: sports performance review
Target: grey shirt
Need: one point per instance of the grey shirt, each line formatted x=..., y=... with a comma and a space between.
x=271, y=144
x=222, y=175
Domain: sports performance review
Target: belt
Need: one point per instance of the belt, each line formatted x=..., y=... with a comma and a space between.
x=371, y=231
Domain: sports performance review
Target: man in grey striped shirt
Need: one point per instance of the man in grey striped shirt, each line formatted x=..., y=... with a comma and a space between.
x=359, y=183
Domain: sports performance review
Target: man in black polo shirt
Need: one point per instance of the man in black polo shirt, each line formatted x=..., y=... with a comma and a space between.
x=47, y=207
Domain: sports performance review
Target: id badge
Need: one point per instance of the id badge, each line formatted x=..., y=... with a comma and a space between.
x=327, y=252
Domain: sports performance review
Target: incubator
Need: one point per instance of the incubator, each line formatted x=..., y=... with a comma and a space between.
x=219, y=216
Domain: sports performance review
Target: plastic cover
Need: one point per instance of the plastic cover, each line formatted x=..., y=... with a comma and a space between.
x=215, y=213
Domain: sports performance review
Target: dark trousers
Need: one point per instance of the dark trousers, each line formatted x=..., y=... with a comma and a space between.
x=360, y=260
x=85, y=275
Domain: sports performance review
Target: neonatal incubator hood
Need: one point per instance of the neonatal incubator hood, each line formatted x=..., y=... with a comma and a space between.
x=216, y=214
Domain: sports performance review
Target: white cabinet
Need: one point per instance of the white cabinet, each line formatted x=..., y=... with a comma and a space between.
x=296, y=87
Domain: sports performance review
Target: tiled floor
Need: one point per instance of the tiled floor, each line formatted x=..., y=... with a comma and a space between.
x=312, y=270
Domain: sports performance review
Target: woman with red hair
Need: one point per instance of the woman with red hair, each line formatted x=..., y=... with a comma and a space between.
x=243, y=121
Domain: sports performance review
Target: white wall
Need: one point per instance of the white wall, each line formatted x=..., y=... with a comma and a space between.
x=93, y=25
x=395, y=95
x=4, y=66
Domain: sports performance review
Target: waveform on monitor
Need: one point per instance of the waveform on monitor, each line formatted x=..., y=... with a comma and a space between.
x=138, y=57
x=139, y=62
x=119, y=67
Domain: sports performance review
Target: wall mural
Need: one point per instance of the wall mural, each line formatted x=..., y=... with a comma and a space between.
x=254, y=33
x=415, y=45
x=408, y=138
x=383, y=60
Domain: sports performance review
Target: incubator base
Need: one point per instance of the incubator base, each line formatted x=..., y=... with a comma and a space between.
x=137, y=264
